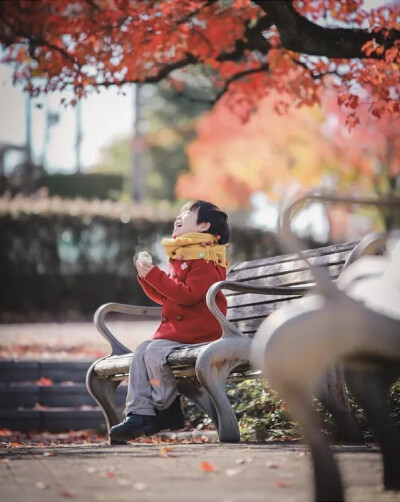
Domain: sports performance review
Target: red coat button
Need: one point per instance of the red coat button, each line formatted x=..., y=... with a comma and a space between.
x=180, y=318
x=164, y=319
x=175, y=276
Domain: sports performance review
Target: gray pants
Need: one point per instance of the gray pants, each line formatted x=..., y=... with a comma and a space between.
x=151, y=382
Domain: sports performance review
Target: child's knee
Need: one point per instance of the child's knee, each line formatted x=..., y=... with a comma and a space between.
x=141, y=348
x=153, y=356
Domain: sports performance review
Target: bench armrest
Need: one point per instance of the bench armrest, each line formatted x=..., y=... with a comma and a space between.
x=117, y=347
x=228, y=329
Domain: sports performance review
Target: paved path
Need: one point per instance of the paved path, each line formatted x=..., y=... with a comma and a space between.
x=179, y=473
x=58, y=338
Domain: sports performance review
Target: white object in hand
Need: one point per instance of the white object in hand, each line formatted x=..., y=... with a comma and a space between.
x=145, y=257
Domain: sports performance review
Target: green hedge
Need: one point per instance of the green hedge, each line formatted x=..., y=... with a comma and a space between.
x=60, y=259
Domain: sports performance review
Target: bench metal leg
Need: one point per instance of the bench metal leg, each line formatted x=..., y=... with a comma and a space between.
x=370, y=389
x=328, y=486
x=334, y=398
x=213, y=367
x=103, y=391
x=192, y=389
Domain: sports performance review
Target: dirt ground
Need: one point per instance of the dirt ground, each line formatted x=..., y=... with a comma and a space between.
x=178, y=473
x=164, y=471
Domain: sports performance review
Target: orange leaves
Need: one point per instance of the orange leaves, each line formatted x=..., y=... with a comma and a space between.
x=371, y=47
x=165, y=451
x=207, y=467
x=392, y=55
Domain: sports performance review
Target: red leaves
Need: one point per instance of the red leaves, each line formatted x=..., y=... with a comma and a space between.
x=377, y=110
x=207, y=467
x=348, y=100
x=351, y=121
x=392, y=55
x=44, y=382
x=104, y=42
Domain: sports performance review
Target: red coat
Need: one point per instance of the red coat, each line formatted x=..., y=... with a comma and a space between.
x=182, y=294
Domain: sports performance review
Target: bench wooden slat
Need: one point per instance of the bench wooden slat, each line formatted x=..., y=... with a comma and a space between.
x=287, y=267
x=244, y=299
x=250, y=326
x=297, y=278
x=179, y=358
x=326, y=250
x=254, y=311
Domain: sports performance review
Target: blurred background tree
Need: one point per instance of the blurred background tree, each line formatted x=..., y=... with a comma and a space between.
x=169, y=126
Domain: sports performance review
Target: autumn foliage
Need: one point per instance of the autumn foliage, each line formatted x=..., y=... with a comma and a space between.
x=304, y=148
x=243, y=49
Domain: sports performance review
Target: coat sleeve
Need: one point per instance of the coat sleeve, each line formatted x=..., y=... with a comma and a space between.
x=194, y=288
x=152, y=293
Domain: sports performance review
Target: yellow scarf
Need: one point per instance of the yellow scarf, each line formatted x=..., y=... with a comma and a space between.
x=196, y=246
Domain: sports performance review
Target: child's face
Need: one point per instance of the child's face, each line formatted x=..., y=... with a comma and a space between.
x=186, y=222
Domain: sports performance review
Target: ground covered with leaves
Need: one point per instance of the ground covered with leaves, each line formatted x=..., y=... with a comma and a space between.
x=262, y=416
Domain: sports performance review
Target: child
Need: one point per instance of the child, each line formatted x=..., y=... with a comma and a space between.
x=197, y=254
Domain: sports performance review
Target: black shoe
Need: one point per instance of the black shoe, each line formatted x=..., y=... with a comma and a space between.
x=134, y=426
x=171, y=418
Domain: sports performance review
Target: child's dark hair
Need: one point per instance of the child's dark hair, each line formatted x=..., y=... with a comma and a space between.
x=210, y=213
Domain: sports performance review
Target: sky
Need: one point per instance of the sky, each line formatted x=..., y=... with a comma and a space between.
x=105, y=117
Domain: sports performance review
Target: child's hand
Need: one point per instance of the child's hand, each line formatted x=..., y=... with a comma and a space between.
x=143, y=268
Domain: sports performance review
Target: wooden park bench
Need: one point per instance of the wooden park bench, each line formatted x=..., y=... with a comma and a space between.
x=254, y=289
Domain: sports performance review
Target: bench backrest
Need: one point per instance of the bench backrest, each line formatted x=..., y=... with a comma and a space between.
x=247, y=310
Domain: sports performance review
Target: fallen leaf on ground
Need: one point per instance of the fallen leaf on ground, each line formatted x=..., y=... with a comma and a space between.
x=110, y=473
x=244, y=460
x=139, y=487
x=273, y=465
x=281, y=483
x=41, y=407
x=124, y=482
x=207, y=467
x=45, y=382
x=232, y=472
x=41, y=485
x=164, y=450
x=65, y=493
x=91, y=470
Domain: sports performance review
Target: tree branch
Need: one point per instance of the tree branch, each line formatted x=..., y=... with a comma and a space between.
x=300, y=35
x=167, y=69
x=36, y=41
x=254, y=41
x=239, y=75
x=189, y=16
